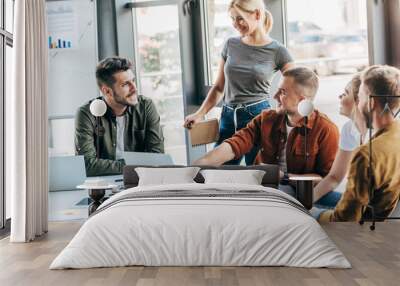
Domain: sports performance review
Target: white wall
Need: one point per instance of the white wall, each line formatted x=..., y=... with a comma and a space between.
x=72, y=80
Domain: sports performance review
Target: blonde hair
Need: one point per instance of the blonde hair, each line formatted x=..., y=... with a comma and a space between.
x=249, y=6
x=354, y=86
x=382, y=80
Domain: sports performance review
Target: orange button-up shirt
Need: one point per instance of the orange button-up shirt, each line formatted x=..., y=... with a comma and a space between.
x=268, y=132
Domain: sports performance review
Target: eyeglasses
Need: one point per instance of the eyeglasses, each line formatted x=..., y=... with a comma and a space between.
x=236, y=19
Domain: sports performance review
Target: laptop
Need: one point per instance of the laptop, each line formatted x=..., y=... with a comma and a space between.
x=66, y=172
x=147, y=159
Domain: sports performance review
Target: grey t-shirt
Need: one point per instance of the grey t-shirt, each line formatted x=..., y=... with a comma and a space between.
x=249, y=69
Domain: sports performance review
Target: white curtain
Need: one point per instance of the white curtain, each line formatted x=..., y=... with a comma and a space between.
x=26, y=125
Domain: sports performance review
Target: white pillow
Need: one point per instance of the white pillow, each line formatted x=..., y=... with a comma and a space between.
x=249, y=177
x=163, y=176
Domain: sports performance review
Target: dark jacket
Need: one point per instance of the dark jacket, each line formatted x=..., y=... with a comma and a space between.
x=142, y=134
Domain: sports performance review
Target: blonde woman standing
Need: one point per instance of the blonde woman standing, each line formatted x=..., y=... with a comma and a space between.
x=247, y=66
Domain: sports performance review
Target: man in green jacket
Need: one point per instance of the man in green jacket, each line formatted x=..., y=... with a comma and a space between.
x=131, y=122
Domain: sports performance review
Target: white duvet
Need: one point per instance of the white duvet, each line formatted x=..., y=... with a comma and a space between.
x=188, y=231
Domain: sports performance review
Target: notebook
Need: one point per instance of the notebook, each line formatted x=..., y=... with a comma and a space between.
x=204, y=132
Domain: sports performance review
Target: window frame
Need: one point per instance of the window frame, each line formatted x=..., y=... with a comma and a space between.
x=126, y=33
x=6, y=39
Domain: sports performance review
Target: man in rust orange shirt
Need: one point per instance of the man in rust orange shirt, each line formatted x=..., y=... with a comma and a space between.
x=279, y=133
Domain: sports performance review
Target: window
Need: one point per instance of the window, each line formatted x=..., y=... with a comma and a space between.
x=6, y=42
x=9, y=12
x=330, y=38
x=159, y=71
x=8, y=74
x=218, y=29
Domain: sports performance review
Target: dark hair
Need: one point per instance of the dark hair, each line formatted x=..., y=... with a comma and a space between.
x=108, y=67
x=306, y=79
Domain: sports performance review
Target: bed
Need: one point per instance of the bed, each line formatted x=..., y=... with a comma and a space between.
x=197, y=224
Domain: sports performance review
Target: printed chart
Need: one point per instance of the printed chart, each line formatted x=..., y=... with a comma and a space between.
x=62, y=25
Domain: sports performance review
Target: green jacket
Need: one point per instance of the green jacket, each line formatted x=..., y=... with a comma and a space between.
x=142, y=134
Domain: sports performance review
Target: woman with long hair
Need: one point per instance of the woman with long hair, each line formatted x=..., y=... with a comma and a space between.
x=351, y=136
x=247, y=66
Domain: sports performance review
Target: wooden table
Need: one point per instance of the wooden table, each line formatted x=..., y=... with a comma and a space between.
x=305, y=187
x=96, y=193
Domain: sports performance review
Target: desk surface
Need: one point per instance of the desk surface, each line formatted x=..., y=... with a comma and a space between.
x=111, y=180
x=305, y=177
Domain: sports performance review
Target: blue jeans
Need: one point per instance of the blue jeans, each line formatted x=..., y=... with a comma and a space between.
x=329, y=201
x=288, y=189
x=244, y=116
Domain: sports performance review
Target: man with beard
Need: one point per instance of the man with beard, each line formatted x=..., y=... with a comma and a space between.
x=131, y=122
x=378, y=110
x=279, y=133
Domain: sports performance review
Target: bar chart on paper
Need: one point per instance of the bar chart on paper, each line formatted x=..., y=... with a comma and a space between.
x=59, y=43
x=62, y=25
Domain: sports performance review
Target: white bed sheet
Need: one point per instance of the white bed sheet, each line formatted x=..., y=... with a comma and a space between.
x=200, y=232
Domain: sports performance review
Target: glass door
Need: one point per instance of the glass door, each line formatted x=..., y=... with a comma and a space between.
x=159, y=69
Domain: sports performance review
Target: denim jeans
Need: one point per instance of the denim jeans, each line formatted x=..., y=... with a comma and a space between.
x=244, y=116
x=329, y=201
x=288, y=189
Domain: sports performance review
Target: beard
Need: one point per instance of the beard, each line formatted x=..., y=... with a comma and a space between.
x=290, y=112
x=131, y=100
x=367, y=117
x=280, y=110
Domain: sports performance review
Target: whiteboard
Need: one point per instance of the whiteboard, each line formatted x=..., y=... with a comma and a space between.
x=72, y=80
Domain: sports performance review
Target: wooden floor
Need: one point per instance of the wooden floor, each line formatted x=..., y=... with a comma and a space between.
x=375, y=257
